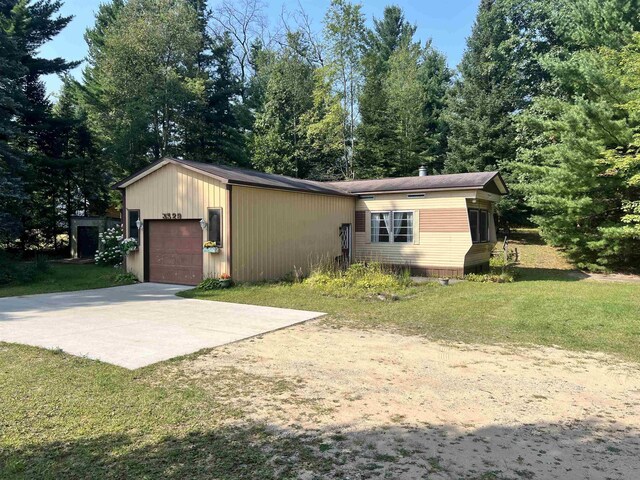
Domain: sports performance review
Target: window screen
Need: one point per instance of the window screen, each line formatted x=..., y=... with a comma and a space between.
x=134, y=216
x=215, y=226
x=403, y=227
x=380, y=227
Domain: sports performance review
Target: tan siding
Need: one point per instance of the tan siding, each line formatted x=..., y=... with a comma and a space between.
x=430, y=248
x=174, y=189
x=274, y=231
x=444, y=220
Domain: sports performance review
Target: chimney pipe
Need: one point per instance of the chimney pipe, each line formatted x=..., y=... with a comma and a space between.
x=422, y=171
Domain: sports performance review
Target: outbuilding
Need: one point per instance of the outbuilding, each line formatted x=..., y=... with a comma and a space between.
x=268, y=226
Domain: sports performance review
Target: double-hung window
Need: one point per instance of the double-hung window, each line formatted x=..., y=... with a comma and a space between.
x=392, y=227
x=479, y=225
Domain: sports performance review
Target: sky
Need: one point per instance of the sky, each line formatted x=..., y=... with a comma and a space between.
x=447, y=23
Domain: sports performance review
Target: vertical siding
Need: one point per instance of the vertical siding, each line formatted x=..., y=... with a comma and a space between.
x=274, y=231
x=174, y=189
x=434, y=247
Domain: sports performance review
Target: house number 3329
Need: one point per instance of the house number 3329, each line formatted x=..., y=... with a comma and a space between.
x=171, y=216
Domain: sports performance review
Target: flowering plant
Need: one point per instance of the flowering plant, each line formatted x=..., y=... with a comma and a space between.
x=209, y=244
x=113, y=246
x=225, y=276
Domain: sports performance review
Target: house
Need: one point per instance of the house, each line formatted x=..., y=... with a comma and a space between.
x=266, y=226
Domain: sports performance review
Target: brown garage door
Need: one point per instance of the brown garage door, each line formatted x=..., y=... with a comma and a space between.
x=175, y=252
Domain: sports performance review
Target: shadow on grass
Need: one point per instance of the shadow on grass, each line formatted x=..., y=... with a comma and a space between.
x=529, y=237
x=576, y=450
x=528, y=274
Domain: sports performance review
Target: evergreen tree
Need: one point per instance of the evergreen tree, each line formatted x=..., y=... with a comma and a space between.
x=277, y=143
x=26, y=139
x=581, y=171
x=375, y=131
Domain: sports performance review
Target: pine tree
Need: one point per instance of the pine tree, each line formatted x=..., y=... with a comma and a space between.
x=375, y=131
x=581, y=172
x=277, y=143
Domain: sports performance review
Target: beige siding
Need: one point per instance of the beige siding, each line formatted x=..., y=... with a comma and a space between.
x=274, y=231
x=174, y=189
x=431, y=249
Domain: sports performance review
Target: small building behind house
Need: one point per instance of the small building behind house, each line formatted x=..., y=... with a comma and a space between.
x=267, y=226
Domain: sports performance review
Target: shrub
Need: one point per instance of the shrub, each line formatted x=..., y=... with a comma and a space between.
x=113, y=247
x=359, y=278
x=12, y=270
x=125, y=278
x=209, y=284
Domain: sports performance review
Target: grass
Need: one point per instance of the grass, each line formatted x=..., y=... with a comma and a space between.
x=63, y=277
x=74, y=418
x=549, y=305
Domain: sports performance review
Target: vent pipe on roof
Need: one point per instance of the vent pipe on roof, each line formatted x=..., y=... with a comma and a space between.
x=422, y=171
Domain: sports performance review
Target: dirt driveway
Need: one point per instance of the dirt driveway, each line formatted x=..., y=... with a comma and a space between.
x=389, y=406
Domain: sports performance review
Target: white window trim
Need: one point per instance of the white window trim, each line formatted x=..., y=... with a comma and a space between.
x=391, y=235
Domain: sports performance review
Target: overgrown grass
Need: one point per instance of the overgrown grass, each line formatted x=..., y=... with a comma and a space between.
x=358, y=280
x=549, y=305
x=60, y=277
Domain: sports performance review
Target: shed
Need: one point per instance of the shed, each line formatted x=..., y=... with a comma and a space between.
x=267, y=226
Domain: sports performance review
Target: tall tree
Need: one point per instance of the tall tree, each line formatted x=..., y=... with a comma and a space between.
x=375, y=132
x=484, y=97
x=27, y=142
x=344, y=33
x=277, y=143
x=581, y=171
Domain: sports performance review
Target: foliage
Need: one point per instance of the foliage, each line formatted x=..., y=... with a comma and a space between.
x=401, y=102
x=357, y=279
x=124, y=278
x=581, y=173
x=213, y=283
x=13, y=271
x=62, y=277
x=114, y=247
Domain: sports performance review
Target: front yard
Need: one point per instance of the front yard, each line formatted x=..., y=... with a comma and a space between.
x=446, y=382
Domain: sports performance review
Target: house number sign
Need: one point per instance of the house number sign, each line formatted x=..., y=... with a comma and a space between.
x=171, y=216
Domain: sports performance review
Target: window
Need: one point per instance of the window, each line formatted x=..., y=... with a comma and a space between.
x=134, y=216
x=380, y=227
x=388, y=227
x=215, y=226
x=403, y=227
x=479, y=225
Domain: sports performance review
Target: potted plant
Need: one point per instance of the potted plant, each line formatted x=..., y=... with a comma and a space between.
x=210, y=247
x=444, y=281
x=225, y=280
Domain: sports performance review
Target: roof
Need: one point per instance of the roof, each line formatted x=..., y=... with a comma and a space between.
x=239, y=176
x=454, y=181
x=242, y=176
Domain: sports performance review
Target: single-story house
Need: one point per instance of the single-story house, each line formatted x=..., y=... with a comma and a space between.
x=266, y=226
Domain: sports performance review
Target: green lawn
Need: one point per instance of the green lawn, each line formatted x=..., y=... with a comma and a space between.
x=548, y=305
x=73, y=418
x=64, y=278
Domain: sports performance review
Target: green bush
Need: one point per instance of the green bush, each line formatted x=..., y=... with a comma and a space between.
x=209, y=284
x=359, y=278
x=14, y=271
x=125, y=278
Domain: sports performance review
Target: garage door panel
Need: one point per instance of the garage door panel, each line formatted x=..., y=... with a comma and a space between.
x=175, y=252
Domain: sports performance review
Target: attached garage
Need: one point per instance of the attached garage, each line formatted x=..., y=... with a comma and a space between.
x=266, y=226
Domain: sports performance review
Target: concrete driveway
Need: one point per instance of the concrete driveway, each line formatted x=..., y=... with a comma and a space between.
x=135, y=325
